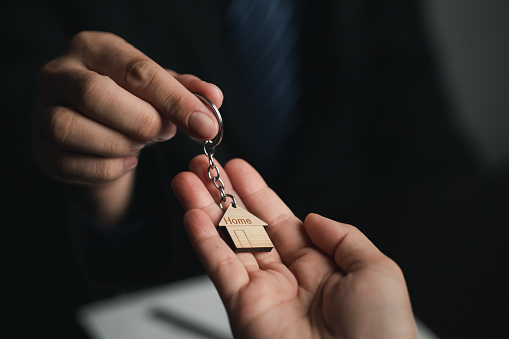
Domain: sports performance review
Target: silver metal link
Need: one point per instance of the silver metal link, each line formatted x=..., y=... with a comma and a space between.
x=213, y=167
x=216, y=180
x=223, y=199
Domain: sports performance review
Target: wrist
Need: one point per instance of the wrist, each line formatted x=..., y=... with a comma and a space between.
x=107, y=204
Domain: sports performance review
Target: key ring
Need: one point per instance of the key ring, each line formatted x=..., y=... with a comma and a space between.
x=219, y=136
x=243, y=231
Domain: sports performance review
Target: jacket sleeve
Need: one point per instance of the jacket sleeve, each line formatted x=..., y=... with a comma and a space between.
x=150, y=247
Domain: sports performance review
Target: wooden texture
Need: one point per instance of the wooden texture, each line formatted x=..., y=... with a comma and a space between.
x=243, y=231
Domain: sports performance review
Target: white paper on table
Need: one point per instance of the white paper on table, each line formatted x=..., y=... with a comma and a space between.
x=160, y=313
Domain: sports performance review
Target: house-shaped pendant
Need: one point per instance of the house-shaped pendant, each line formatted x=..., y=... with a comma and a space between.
x=243, y=231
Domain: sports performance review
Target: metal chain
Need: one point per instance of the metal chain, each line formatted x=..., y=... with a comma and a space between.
x=216, y=180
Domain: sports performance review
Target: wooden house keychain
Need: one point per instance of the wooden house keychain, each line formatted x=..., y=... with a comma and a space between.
x=242, y=231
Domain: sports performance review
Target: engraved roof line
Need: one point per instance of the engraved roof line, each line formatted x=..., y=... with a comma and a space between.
x=240, y=213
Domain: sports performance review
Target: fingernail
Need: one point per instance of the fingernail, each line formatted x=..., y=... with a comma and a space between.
x=203, y=125
x=130, y=162
x=137, y=146
x=166, y=133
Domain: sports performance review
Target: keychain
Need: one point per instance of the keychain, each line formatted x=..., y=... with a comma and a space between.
x=242, y=231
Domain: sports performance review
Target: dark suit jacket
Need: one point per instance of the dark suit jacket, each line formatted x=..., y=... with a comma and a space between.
x=375, y=132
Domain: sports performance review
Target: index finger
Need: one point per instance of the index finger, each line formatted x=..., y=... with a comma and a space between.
x=285, y=229
x=112, y=56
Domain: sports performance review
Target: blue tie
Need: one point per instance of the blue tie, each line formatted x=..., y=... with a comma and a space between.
x=264, y=38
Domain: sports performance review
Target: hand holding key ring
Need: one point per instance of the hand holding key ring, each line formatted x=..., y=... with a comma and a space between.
x=219, y=136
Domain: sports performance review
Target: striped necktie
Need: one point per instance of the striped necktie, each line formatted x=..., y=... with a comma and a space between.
x=264, y=38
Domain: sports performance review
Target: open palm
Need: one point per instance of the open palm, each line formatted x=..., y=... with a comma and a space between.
x=323, y=279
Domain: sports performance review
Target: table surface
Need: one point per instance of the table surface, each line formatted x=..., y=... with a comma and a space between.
x=186, y=309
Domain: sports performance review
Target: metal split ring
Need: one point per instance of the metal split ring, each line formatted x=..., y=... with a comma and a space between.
x=219, y=136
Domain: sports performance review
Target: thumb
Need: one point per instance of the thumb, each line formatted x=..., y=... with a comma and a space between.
x=201, y=126
x=189, y=112
x=348, y=246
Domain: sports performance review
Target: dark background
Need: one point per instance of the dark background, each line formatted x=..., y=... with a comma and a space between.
x=458, y=224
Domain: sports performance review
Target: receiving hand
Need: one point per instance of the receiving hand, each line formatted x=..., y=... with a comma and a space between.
x=323, y=279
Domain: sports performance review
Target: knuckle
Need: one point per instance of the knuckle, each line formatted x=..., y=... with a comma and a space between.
x=115, y=146
x=80, y=36
x=92, y=171
x=106, y=170
x=141, y=74
x=86, y=38
x=60, y=126
x=86, y=41
x=92, y=92
x=80, y=41
x=173, y=104
x=146, y=126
